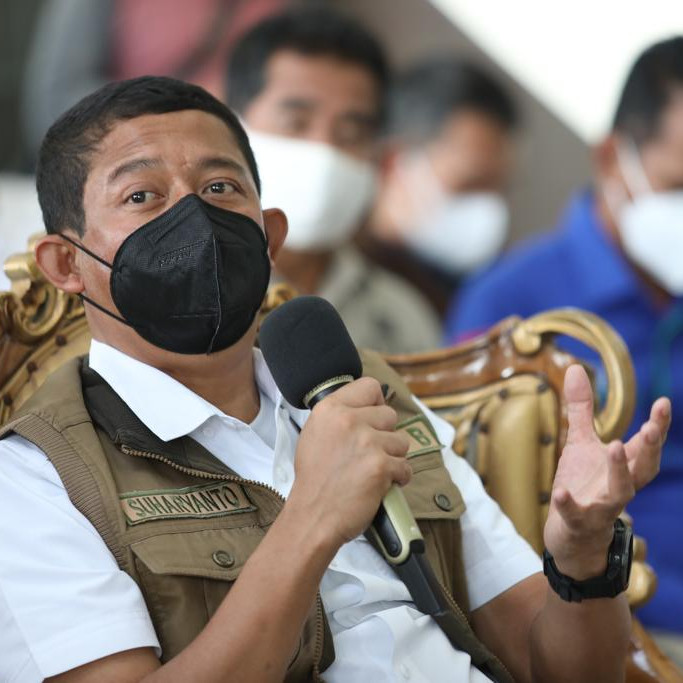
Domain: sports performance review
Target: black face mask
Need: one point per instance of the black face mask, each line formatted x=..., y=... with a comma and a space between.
x=191, y=280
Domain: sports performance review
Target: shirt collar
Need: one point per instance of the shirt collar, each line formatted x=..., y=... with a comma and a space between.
x=165, y=406
x=604, y=275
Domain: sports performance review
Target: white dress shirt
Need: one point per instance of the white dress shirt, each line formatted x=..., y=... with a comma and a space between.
x=64, y=601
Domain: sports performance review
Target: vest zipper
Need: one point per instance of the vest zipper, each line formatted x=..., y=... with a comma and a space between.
x=199, y=473
x=319, y=634
x=456, y=608
x=319, y=628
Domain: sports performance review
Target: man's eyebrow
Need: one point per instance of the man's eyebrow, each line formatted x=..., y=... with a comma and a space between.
x=297, y=103
x=205, y=164
x=221, y=163
x=130, y=167
x=364, y=118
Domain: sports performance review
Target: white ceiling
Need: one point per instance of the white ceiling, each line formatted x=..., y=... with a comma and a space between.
x=572, y=56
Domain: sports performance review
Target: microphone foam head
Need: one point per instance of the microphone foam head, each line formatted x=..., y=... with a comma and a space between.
x=305, y=343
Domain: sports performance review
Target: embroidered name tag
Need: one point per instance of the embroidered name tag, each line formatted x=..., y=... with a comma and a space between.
x=422, y=437
x=211, y=500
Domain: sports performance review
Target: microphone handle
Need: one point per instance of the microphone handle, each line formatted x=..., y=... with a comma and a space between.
x=394, y=531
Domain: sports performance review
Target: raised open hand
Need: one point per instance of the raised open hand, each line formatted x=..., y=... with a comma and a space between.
x=594, y=481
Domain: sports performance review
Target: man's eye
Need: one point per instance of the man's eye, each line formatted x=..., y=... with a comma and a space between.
x=221, y=188
x=140, y=197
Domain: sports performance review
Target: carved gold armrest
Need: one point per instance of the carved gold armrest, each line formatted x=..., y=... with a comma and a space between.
x=612, y=419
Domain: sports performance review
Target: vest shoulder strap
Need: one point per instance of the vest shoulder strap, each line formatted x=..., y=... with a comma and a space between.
x=74, y=449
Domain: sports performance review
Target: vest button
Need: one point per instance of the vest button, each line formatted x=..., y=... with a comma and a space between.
x=443, y=501
x=223, y=558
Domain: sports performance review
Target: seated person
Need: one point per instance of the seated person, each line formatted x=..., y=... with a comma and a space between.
x=185, y=520
x=310, y=85
x=441, y=210
x=616, y=252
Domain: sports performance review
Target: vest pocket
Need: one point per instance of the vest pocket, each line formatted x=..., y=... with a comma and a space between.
x=431, y=492
x=184, y=577
x=437, y=505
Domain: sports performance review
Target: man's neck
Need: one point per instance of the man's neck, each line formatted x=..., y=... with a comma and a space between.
x=305, y=270
x=226, y=379
x=660, y=297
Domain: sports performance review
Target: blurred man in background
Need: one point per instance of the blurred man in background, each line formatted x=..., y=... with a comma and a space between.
x=79, y=45
x=618, y=251
x=310, y=85
x=441, y=209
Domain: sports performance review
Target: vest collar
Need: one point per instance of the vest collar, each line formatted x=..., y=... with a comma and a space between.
x=109, y=412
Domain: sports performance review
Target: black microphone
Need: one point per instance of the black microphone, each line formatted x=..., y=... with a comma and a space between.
x=310, y=354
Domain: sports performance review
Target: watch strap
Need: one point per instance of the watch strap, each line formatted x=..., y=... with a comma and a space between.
x=608, y=585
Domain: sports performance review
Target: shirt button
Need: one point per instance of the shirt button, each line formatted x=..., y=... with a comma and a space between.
x=405, y=671
x=281, y=473
x=209, y=431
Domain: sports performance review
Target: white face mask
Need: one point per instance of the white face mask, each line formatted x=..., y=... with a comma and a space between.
x=323, y=192
x=456, y=232
x=651, y=225
x=462, y=232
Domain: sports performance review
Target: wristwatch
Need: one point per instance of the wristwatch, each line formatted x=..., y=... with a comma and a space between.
x=610, y=584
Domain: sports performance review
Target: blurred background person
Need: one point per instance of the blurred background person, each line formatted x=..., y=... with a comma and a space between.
x=618, y=252
x=310, y=85
x=441, y=209
x=79, y=45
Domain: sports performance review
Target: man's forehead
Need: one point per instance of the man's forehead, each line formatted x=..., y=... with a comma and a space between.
x=319, y=77
x=168, y=135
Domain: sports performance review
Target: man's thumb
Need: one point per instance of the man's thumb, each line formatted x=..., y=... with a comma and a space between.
x=578, y=395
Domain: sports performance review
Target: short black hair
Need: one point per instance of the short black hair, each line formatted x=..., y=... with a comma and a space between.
x=310, y=31
x=656, y=73
x=65, y=154
x=425, y=95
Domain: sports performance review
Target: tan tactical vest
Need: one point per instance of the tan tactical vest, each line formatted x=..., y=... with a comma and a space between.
x=182, y=524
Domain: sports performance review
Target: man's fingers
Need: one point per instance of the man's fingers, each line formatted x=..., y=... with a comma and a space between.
x=360, y=393
x=393, y=443
x=381, y=417
x=578, y=395
x=401, y=471
x=619, y=483
x=644, y=449
x=566, y=506
x=643, y=453
x=660, y=414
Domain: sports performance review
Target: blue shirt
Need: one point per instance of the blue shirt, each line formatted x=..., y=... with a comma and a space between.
x=579, y=265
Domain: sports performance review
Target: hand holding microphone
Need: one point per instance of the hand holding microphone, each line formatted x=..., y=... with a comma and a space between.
x=349, y=459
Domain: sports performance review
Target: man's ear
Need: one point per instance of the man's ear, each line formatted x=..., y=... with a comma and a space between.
x=606, y=161
x=275, y=225
x=389, y=159
x=56, y=258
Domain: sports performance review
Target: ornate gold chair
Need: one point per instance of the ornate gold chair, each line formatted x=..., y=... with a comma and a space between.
x=502, y=391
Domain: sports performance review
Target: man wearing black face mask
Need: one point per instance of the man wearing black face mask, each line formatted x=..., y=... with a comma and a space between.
x=171, y=538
